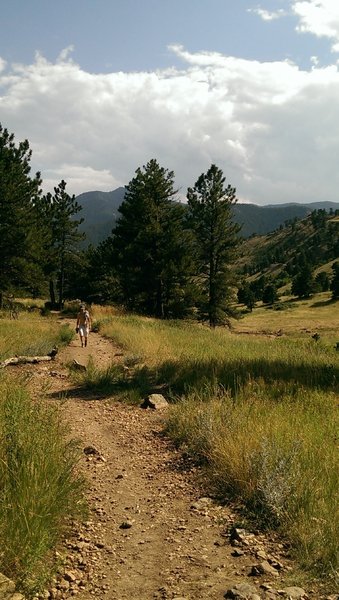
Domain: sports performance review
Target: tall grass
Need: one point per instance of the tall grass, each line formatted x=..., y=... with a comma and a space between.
x=260, y=410
x=39, y=489
x=188, y=356
x=31, y=335
x=277, y=453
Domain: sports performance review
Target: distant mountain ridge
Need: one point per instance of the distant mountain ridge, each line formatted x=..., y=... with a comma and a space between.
x=100, y=212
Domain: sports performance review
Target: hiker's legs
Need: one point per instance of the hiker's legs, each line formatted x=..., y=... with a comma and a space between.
x=82, y=334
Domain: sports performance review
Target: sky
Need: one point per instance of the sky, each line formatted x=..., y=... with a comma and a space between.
x=100, y=87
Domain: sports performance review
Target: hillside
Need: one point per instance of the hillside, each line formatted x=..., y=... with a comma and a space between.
x=100, y=211
x=280, y=254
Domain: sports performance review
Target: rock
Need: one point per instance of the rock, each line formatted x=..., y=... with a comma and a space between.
x=155, y=401
x=70, y=576
x=237, y=536
x=202, y=504
x=6, y=586
x=261, y=554
x=91, y=450
x=78, y=366
x=293, y=593
x=238, y=552
x=263, y=568
x=242, y=591
x=126, y=525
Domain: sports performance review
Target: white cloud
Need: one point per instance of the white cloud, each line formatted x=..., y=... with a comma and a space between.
x=267, y=15
x=269, y=126
x=319, y=17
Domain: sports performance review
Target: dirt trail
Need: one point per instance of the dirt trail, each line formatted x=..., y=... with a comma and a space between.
x=151, y=532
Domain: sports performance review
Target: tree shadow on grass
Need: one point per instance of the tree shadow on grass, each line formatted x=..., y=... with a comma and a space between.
x=232, y=375
x=174, y=378
x=323, y=303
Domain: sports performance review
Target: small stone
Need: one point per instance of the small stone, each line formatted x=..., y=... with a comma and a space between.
x=126, y=525
x=242, y=591
x=70, y=576
x=155, y=402
x=238, y=552
x=263, y=568
x=293, y=593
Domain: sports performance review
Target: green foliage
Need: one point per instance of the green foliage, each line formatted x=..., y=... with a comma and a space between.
x=322, y=282
x=148, y=249
x=39, y=490
x=303, y=283
x=335, y=281
x=20, y=241
x=214, y=243
x=270, y=294
x=56, y=217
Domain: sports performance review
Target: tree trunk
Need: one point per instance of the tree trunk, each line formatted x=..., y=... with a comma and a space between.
x=52, y=292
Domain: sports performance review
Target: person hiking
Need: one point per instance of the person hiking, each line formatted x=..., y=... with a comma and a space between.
x=83, y=325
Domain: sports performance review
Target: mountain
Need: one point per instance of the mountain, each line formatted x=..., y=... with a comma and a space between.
x=260, y=220
x=100, y=211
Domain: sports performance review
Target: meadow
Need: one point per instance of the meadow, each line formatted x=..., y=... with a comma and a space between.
x=39, y=488
x=257, y=405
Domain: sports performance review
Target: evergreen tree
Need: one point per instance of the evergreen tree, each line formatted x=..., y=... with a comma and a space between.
x=149, y=250
x=270, y=294
x=57, y=214
x=322, y=281
x=335, y=281
x=19, y=240
x=215, y=240
x=303, y=283
x=94, y=278
x=246, y=296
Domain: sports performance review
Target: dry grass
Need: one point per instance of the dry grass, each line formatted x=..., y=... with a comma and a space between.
x=31, y=335
x=258, y=404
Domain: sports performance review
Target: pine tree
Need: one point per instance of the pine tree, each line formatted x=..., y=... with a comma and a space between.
x=270, y=294
x=19, y=240
x=57, y=214
x=149, y=251
x=303, y=283
x=215, y=242
x=335, y=281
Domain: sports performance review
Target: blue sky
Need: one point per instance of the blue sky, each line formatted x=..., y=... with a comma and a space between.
x=99, y=87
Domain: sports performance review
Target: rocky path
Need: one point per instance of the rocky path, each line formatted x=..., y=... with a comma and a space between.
x=152, y=532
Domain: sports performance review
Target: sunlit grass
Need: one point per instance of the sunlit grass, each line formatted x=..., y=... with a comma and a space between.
x=258, y=405
x=39, y=490
x=32, y=335
x=276, y=451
